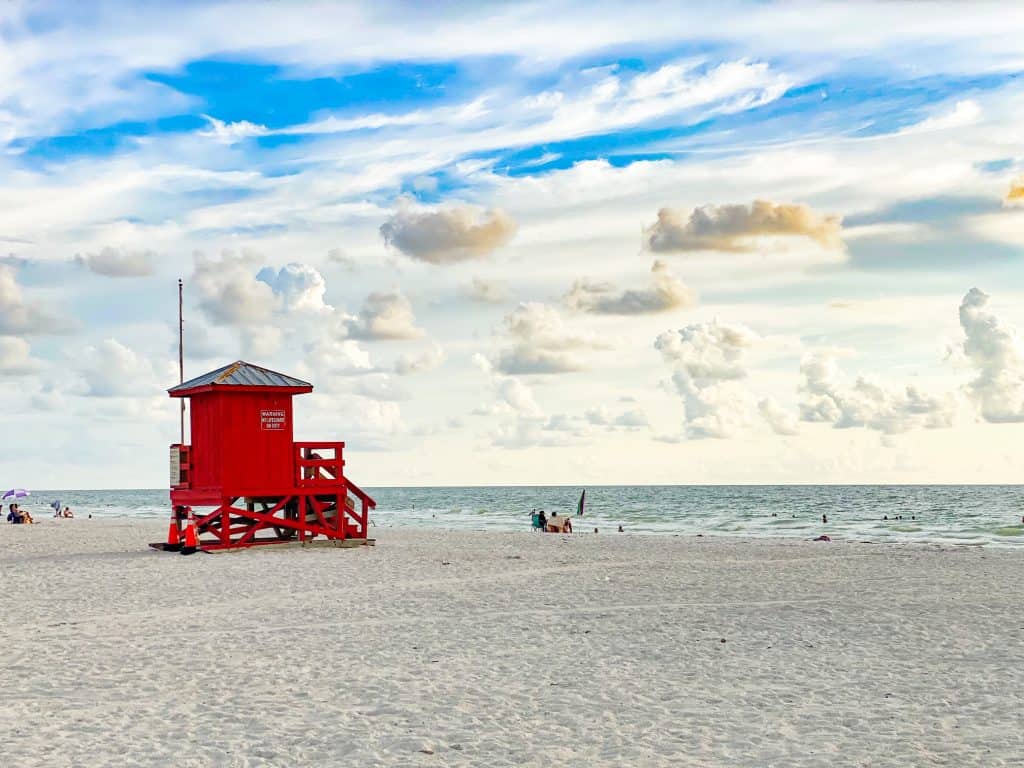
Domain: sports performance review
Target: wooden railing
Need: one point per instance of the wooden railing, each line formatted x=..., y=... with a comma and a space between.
x=313, y=468
x=362, y=515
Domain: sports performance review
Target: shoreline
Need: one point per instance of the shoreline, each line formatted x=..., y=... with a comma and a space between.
x=158, y=528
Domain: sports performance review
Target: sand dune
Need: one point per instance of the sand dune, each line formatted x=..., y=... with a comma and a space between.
x=524, y=649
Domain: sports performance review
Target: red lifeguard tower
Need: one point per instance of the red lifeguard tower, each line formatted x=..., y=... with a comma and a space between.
x=263, y=488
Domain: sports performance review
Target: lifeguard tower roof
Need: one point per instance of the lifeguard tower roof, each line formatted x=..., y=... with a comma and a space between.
x=244, y=375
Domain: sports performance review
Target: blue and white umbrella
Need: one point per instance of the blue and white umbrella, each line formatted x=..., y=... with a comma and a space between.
x=15, y=493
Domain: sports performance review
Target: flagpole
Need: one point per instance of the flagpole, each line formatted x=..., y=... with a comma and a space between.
x=181, y=358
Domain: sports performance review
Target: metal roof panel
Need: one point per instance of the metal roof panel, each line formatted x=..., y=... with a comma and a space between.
x=241, y=373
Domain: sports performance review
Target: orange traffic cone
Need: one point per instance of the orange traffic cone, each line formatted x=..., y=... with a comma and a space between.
x=173, y=536
x=191, y=540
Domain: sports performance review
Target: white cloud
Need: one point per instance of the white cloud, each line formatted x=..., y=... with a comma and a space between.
x=116, y=262
x=632, y=419
x=996, y=351
x=735, y=228
x=330, y=357
x=541, y=343
x=300, y=286
x=427, y=360
x=709, y=362
x=964, y=113
x=260, y=342
x=384, y=317
x=448, y=235
x=20, y=317
x=486, y=291
x=666, y=293
x=781, y=421
x=16, y=358
x=520, y=398
x=229, y=292
x=867, y=403
x=231, y=133
x=110, y=369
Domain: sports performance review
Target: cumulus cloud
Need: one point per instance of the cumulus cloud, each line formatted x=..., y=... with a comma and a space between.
x=229, y=293
x=486, y=291
x=541, y=343
x=367, y=422
x=18, y=317
x=996, y=352
x=116, y=262
x=520, y=398
x=667, y=292
x=867, y=403
x=110, y=369
x=16, y=358
x=384, y=317
x=779, y=419
x=734, y=228
x=299, y=286
x=337, y=357
x=709, y=362
x=260, y=342
x=427, y=360
x=448, y=235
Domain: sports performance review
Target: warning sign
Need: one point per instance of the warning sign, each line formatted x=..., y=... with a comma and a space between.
x=272, y=420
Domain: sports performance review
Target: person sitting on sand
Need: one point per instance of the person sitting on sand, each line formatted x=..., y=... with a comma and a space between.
x=19, y=516
x=68, y=512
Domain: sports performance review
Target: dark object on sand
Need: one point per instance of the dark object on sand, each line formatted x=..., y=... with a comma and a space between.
x=823, y=537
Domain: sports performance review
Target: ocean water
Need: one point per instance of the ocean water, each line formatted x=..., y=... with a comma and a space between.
x=951, y=514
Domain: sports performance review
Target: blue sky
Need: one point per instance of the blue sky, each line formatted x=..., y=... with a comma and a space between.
x=515, y=243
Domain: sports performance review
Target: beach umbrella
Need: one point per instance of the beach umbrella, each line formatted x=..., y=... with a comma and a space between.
x=15, y=493
x=581, y=503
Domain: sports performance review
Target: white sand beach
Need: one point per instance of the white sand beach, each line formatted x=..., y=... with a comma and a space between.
x=438, y=648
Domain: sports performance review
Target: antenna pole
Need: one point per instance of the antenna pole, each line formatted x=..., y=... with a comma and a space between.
x=181, y=359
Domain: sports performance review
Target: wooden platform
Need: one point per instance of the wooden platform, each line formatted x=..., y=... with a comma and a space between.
x=337, y=543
